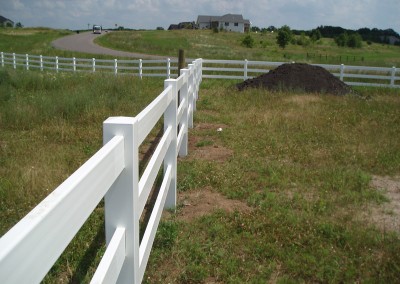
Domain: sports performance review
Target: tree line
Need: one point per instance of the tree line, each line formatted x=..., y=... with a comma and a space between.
x=342, y=37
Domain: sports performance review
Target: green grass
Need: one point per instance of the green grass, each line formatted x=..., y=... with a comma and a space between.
x=30, y=40
x=228, y=45
x=303, y=167
x=302, y=162
x=37, y=41
x=50, y=124
x=202, y=44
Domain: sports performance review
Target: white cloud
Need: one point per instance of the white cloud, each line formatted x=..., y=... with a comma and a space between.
x=17, y=5
x=298, y=14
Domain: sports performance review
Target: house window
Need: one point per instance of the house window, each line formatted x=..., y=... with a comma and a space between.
x=236, y=24
x=226, y=24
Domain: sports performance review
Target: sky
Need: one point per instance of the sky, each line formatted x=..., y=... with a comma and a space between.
x=150, y=14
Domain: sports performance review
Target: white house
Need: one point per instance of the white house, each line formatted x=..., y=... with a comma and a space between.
x=229, y=22
x=6, y=22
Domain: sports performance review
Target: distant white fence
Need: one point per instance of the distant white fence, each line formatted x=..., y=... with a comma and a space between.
x=216, y=69
x=32, y=246
x=351, y=75
x=143, y=68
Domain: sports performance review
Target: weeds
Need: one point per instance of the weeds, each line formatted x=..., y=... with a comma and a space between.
x=302, y=162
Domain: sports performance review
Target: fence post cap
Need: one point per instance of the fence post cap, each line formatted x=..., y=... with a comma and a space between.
x=120, y=119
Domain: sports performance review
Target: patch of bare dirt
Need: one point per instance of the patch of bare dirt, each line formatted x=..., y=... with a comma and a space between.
x=387, y=215
x=212, y=152
x=204, y=201
x=298, y=76
x=210, y=126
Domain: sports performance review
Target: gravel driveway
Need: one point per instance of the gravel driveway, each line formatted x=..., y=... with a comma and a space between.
x=83, y=42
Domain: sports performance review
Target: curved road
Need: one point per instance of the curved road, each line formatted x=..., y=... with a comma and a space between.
x=83, y=42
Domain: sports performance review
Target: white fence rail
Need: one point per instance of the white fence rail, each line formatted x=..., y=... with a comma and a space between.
x=216, y=69
x=142, y=68
x=31, y=247
x=351, y=75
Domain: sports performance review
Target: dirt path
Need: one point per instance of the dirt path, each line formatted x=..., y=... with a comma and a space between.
x=83, y=42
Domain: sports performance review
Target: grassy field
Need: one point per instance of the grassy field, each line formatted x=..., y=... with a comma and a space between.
x=301, y=167
x=301, y=163
x=37, y=41
x=228, y=45
x=203, y=44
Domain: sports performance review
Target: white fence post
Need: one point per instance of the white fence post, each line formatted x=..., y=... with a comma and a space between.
x=14, y=61
x=57, y=64
x=168, y=68
x=115, y=66
x=192, y=94
x=2, y=59
x=245, y=69
x=93, y=65
x=41, y=62
x=122, y=199
x=27, y=61
x=184, y=99
x=341, y=72
x=140, y=68
x=170, y=120
x=74, y=64
x=393, y=76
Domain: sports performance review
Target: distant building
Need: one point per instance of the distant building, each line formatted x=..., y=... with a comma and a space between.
x=228, y=22
x=390, y=39
x=6, y=22
x=183, y=25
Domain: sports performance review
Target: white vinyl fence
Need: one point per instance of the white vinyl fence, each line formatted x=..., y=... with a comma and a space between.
x=351, y=75
x=143, y=68
x=32, y=246
x=215, y=69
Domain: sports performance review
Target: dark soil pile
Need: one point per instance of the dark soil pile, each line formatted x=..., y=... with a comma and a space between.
x=298, y=77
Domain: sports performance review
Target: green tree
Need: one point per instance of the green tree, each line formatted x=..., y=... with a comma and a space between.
x=315, y=35
x=303, y=40
x=19, y=25
x=248, y=41
x=342, y=39
x=284, y=36
x=354, y=41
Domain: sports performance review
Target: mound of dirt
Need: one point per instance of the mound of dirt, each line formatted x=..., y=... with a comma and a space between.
x=298, y=76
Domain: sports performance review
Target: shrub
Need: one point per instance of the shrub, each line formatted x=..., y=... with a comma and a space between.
x=248, y=41
x=342, y=39
x=353, y=40
x=284, y=36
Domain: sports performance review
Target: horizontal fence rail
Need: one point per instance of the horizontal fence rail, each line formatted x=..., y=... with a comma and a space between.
x=351, y=75
x=31, y=247
x=143, y=68
x=214, y=69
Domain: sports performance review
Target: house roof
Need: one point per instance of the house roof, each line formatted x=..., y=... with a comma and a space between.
x=232, y=18
x=3, y=20
x=207, y=19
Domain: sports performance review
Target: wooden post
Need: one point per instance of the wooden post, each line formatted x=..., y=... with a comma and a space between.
x=181, y=61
